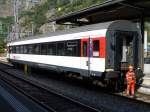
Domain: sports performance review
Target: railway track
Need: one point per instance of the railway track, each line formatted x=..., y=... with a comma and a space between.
x=106, y=96
x=50, y=100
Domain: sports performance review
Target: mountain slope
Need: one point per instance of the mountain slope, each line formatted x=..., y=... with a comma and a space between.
x=6, y=8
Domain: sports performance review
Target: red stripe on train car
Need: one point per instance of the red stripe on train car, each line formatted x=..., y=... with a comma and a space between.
x=102, y=47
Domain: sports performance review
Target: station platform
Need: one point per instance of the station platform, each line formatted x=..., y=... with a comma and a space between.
x=145, y=89
x=13, y=101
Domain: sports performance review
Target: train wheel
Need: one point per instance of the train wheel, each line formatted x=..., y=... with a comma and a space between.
x=113, y=85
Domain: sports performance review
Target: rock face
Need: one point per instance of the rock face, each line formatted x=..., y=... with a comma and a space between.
x=6, y=8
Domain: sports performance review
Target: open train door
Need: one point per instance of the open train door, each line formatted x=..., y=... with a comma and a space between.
x=126, y=53
x=123, y=46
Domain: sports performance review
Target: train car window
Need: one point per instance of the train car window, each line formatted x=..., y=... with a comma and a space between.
x=36, y=48
x=30, y=49
x=14, y=49
x=25, y=49
x=96, y=48
x=17, y=49
x=51, y=49
x=72, y=48
x=129, y=49
x=60, y=49
x=44, y=49
x=21, y=49
x=85, y=47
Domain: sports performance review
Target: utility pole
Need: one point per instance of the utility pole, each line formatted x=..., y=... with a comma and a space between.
x=16, y=28
x=8, y=32
x=32, y=29
x=54, y=26
x=16, y=11
x=27, y=4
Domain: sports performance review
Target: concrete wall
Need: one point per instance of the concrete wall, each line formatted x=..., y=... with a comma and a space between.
x=147, y=69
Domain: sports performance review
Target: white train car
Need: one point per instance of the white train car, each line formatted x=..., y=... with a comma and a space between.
x=99, y=50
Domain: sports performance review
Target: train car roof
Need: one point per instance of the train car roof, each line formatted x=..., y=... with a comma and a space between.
x=98, y=26
x=122, y=25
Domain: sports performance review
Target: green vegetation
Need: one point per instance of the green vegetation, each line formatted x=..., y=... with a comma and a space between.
x=5, y=24
x=37, y=15
x=2, y=2
x=147, y=27
x=74, y=5
x=2, y=45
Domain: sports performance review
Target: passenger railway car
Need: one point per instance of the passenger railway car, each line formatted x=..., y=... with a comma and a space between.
x=101, y=50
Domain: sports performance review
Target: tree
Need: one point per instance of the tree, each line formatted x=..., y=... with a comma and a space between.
x=5, y=25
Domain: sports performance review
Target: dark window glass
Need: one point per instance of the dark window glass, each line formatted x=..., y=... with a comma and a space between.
x=17, y=49
x=25, y=49
x=85, y=49
x=30, y=49
x=72, y=48
x=96, y=48
x=14, y=49
x=60, y=49
x=21, y=49
x=44, y=48
x=36, y=48
x=51, y=49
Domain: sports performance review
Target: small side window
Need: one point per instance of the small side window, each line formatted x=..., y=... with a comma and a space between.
x=96, y=48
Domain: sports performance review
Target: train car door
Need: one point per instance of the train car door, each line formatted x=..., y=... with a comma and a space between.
x=97, y=62
x=85, y=56
x=126, y=51
x=93, y=55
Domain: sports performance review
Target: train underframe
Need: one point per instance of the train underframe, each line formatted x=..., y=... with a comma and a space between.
x=113, y=80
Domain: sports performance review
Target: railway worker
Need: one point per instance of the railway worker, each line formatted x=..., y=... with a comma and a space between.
x=130, y=77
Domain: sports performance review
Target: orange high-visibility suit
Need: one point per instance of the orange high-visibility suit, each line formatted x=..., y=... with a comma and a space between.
x=130, y=77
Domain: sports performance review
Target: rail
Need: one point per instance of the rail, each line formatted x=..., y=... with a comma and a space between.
x=50, y=100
